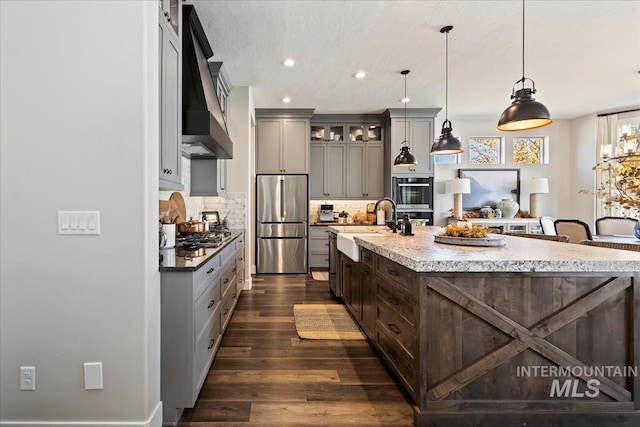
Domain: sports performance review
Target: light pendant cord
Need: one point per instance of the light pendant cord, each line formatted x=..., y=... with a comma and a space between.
x=522, y=43
x=446, y=80
x=405, y=72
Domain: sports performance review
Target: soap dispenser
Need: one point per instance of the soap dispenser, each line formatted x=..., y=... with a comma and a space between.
x=406, y=226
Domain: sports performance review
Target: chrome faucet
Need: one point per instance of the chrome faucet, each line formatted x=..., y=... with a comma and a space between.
x=394, y=214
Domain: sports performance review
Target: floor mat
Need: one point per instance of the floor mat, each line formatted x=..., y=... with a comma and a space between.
x=320, y=275
x=325, y=322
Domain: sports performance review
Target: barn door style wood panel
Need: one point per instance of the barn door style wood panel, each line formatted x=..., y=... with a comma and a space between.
x=494, y=343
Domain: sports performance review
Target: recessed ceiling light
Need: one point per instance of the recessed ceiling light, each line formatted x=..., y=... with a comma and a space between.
x=286, y=100
x=405, y=100
x=360, y=75
x=289, y=62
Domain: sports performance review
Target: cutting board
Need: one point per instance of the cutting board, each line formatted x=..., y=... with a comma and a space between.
x=177, y=198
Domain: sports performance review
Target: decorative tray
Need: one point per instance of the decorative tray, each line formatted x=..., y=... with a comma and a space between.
x=490, y=240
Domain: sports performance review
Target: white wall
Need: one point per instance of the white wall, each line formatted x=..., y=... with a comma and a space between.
x=239, y=169
x=558, y=170
x=583, y=158
x=79, y=114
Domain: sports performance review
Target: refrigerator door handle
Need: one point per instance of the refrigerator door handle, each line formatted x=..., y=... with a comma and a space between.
x=283, y=197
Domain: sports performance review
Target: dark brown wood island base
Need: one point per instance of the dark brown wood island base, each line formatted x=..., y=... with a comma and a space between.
x=528, y=347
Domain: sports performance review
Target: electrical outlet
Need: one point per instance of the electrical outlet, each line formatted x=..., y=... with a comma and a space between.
x=27, y=377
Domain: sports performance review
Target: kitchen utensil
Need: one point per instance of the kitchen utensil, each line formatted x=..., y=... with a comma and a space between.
x=191, y=227
x=177, y=198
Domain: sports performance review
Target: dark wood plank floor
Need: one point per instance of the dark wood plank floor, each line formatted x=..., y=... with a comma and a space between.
x=264, y=375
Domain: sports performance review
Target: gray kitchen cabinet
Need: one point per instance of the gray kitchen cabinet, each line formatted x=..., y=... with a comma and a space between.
x=365, y=170
x=208, y=177
x=364, y=133
x=170, y=12
x=319, y=247
x=327, y=170
x=420, y=138
x=195, y=309
x=321, y=132
x=282, y=145
x=170, y=101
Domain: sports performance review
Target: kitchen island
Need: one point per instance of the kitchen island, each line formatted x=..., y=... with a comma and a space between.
x=530, y=333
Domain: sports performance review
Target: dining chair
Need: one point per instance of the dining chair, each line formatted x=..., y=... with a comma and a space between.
x=612, y=245
x=546, y=223
x=553, y=238
x=615, y=225
x=574, y=228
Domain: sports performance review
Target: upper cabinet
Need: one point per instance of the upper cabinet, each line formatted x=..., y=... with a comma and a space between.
x=419, y=135
x=347, y=157
x=282, y=141
x=365, y=133
x=170, y=13
x=170, y=98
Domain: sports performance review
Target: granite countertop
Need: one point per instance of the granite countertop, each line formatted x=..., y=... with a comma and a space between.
x=341, y=224
x=174, y=261
x=420, y=253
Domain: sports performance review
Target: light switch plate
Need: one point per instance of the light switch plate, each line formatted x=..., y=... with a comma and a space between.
x=79, y=222
x=93, y=376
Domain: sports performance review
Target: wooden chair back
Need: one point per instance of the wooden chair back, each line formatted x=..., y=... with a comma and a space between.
x=615, y=225
x=574, y=228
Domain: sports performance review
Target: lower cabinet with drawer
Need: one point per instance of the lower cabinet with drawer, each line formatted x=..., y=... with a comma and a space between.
x=196, y=308
x=319, y=247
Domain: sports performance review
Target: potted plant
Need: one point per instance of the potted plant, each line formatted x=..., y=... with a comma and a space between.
x=342, y=216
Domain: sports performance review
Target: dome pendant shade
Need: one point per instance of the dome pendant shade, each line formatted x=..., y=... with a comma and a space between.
x=447, y=143
x=405, y=158
x=524, y=113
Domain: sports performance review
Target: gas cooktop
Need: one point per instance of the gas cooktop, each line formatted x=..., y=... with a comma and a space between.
x=208, y=239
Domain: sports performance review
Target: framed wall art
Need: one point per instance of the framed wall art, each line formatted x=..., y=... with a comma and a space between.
x=486, y=150
x=489, y=186
x=530, y=149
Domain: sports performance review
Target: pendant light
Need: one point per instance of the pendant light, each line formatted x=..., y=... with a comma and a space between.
x=524, y=112
x=446, y=143
x=405, y=158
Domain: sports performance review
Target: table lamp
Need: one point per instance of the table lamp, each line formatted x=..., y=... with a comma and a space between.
x=458, y=187
x=536, y=186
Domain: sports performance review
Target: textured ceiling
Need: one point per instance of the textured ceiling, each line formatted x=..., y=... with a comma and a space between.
x=584, y=56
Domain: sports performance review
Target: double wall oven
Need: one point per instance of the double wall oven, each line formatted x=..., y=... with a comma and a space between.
x=413, y=196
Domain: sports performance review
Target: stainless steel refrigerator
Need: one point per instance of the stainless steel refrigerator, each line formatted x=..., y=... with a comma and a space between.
x=281, y=230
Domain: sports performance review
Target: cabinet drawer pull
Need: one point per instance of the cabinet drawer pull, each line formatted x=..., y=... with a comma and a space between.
x=392, y=356
x=348, y=265
x=226, y=310
x=367, y=258
x=393, y=272
x=234, y=296
x=209, y=271
x=233, y=269
x=226, y=281
x=393, y=301
x=211, y=344
x=211, y=303
x=393, y=328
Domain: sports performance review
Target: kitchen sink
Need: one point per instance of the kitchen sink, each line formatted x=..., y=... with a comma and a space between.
x=348, y=246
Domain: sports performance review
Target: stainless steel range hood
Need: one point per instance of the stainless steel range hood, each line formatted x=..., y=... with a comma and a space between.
x=204, y=131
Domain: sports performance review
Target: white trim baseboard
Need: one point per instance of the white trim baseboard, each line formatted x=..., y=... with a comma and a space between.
x=154, y=420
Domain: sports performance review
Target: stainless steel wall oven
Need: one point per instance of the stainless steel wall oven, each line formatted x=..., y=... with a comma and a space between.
x=414, y=197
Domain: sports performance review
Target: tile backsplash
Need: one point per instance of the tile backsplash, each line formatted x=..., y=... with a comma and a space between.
x=233, y=206
x=351, y=206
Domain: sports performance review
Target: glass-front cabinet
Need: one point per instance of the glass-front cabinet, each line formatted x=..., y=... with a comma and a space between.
x=327, y=133
x=365, y=133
